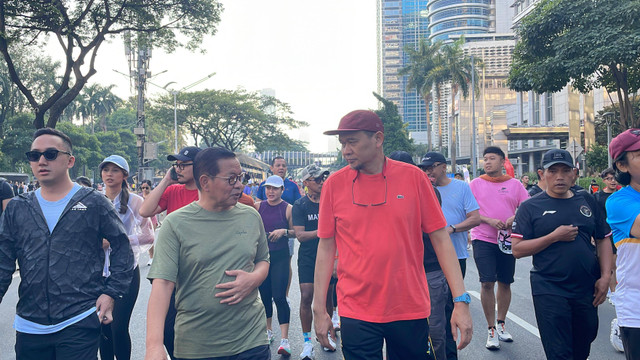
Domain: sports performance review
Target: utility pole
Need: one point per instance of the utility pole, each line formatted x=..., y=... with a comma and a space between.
x=139, y=69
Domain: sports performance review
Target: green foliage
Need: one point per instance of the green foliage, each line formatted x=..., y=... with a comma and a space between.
x=80, y=28
x=588, y=43
x=396, y=136
x=597, y=157
x=233, y=119
x=18, y=132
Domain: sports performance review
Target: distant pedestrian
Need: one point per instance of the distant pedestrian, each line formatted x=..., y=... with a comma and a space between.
x=570, y=276
x=114, y=170
x=461, y=211
x=498, y=196
x=63, y=297
x=539, y=187
x=177, y=189
x=524, y=179
x=305, y=224
x=276, y=216
x=6, y=193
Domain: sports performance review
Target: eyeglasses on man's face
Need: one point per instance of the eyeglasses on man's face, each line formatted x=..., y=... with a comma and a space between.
x=233, y=179
x=181, y=166
x=49, y=154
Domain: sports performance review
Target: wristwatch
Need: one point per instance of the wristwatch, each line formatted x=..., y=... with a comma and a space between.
x=465, y=298
x=453, y=227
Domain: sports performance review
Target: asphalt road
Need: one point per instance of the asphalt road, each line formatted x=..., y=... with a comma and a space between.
x=520, y=322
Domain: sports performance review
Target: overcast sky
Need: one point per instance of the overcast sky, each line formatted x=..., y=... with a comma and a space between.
x=320, y=57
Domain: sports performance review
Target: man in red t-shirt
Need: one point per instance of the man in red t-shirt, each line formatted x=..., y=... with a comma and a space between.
x=373, y=212
x=172, y=195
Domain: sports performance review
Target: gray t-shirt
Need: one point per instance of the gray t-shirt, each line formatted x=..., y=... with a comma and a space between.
x=193, y=249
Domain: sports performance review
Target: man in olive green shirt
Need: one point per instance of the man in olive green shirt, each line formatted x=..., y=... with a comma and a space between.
x=214, y=251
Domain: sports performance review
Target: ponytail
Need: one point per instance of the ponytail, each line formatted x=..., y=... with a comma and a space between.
x=124, y=197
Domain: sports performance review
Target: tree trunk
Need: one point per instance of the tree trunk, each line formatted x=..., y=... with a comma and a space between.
x=426, y=105
x=439, y=121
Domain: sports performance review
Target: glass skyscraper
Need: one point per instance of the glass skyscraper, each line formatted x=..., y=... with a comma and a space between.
x=455, y=17
x=401, y=24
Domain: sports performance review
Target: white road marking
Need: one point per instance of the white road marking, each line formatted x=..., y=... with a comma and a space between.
x=513, y=317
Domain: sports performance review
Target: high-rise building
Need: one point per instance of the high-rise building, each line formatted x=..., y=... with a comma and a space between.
x=401, y=24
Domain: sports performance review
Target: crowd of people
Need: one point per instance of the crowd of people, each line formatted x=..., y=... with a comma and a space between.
x=384, y=240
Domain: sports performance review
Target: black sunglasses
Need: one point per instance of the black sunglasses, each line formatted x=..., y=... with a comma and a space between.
x=49, y=155
x=145, y=188
x=321, y=179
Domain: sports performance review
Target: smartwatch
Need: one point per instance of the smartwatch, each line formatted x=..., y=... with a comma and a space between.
x=465, y=298
x=453, y=227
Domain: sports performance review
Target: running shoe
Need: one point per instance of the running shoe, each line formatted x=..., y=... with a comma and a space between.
x=336, y=322
x=492, y=340
x=503, y=334
x=284, y=349
x=270, y=336
x=332, y=343
x=307, y=351
x=615, y=338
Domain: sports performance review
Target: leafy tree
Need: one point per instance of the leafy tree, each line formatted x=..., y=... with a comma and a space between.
x=420, y=72
x=38, y=72
x=396, y=136
x=233, y=119
x=18, y=132
x=456, y=68
x=86, y=149
x=80, y=28
x=588, y=43
x=597, y=157
x=96, y=100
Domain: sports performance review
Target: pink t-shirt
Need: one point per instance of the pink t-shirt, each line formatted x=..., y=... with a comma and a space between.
x=498, y=201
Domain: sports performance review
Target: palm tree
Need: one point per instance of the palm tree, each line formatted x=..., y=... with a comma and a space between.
x=97, y=101
x=422, y=61
x=457, y=70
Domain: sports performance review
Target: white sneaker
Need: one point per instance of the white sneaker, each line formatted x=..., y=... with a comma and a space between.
x=615, y=337
x=284, y=348
x=270, y=336
x=336, y=322
x=503, y=334
x=492, y=340
x=307, y=351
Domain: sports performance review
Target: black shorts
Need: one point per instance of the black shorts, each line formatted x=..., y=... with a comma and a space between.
x=493, y=265
x=306, y=268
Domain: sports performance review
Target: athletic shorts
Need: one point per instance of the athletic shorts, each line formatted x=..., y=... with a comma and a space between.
x=493, y=265
x=306, y=268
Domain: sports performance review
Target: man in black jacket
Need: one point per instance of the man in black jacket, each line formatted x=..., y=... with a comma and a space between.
x=63, y=296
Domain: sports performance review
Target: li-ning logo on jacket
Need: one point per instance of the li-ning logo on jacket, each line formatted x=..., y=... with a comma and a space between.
x=79, y=206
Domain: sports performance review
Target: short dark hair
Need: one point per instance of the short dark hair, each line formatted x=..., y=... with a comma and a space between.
x=494, y=150
x=273, y=161
x=84, y=181
x=54, y=132
x=206, y=162
x=606, y=172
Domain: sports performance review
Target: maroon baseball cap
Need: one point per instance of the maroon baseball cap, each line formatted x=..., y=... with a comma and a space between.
x=358, y=120
x=627, y=141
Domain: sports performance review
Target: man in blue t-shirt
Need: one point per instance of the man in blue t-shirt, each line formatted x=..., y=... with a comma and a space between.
x=461, y=211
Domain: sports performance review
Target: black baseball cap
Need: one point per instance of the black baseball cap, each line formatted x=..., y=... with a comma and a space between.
x=431, y=158
x=557, y=156
x=185, y=154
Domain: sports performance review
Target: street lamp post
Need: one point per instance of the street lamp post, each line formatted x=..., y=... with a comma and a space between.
x=608, y=118
x=175, y=103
